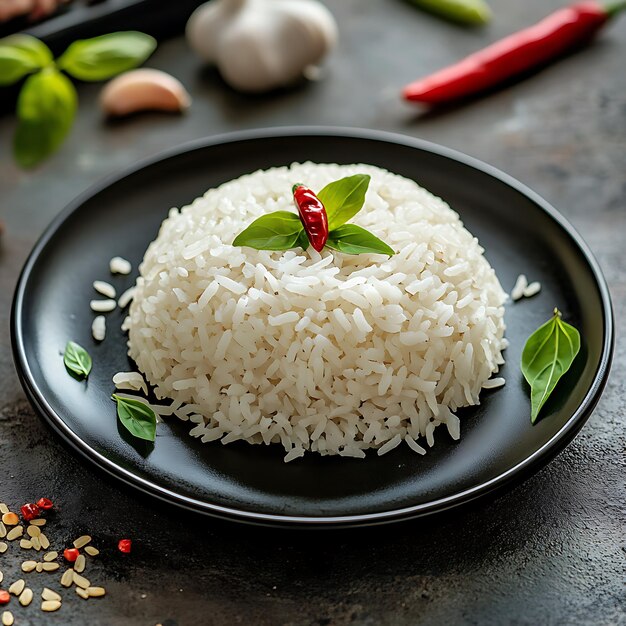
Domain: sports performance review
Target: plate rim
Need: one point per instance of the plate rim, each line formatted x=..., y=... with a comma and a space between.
x=518, y=472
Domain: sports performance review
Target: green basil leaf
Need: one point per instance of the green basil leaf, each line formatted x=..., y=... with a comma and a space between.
x=549, y=352
x=46, y=108
x=138, y=418
x=102, y=57
x=275, y=231
x=35, y=49
x=77, y=359
x=344, y=198
x=352, y=239
x=20, y=55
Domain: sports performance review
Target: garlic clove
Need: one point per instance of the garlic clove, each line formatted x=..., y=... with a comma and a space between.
x=319, y=22
x=206, y=23
x=143, y=90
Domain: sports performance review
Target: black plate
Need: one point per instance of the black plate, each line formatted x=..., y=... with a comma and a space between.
x=520, y=232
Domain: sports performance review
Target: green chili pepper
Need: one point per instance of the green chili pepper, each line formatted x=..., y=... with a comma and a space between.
x=461, y=11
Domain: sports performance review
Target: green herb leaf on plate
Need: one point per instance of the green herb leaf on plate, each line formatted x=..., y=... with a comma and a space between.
x=46, y=108
x=77, y=359
x=344, y=198
x=549, y=352
x=352, y=239
x=281, y=230
x=102, y=57
x=137, y=417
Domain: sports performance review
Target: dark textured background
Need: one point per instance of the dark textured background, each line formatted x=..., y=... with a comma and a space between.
x=550, y=552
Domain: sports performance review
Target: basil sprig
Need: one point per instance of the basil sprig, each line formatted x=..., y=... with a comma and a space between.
x=549, y=352
x=77, y=359
x=342, y=199
x=47, y=103
x=137, y=417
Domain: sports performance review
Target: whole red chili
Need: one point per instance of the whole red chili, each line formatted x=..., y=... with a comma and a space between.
x=45, y=504
x=312, y=215
x=4, y=596
x=124, y=545
x=71, y=554
x=30, y=511
x=521, y=52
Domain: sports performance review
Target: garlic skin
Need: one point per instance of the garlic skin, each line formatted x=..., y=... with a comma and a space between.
x=143, y=90
x=259, y=45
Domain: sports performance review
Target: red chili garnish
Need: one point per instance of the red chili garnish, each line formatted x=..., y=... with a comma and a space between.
x=45, y=504
x=125, y=545
x=30, y=511
x=312, y=215
x=71, y=554
x=4, y=596
x=516, y=54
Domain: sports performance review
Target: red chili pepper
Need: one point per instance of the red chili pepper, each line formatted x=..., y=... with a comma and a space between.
x=71, y=554
x=4, y=597
x=312, y=215
x=125, y=545
x=30, y=511
x=525, y=50
x=45, y=504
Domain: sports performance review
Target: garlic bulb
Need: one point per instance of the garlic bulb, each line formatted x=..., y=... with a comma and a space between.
x=259, y=45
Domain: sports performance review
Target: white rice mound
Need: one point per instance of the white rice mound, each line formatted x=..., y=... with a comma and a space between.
x=327, y=352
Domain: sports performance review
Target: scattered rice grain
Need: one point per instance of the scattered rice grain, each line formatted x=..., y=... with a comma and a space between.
x=106, y=289
x=50, y=605
x=126, y=297
x=26, y=597
x=68, y=577
x=119, y=265
x=48, y=594
x=82, y=541
x=33, y=531
x=81, y=581
x=96, y=592
x=17, y=587
x=518, y=290
x=532, y=289
x=15, y=533
x=79, y=565
x=102, y=306
x=50, y=567
x=82, y=593
x=99, y=328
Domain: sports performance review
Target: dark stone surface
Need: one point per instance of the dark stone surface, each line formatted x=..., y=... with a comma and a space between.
x=550, y=552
